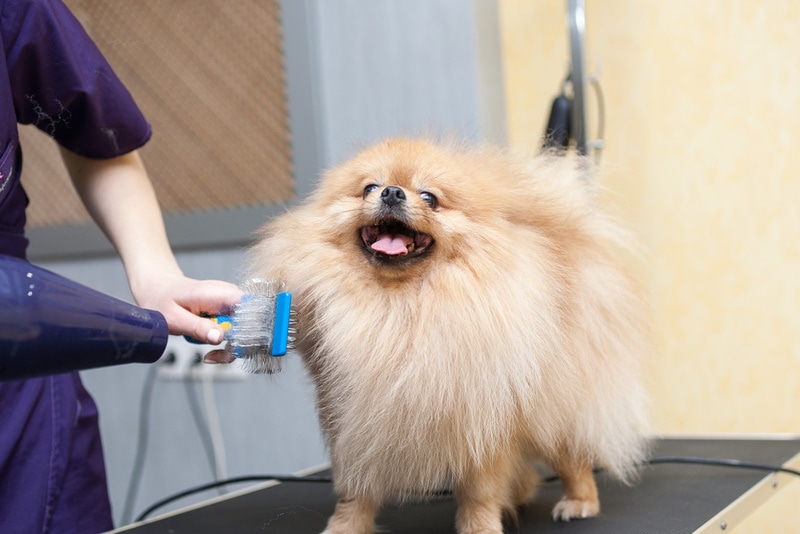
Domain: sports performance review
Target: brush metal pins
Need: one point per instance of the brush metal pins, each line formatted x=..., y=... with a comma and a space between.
x=262, y=328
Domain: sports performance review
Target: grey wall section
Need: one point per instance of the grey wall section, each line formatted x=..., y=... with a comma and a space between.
x=358, y=71
x=395, y=68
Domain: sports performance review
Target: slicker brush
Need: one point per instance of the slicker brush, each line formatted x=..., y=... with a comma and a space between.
x=261, y=328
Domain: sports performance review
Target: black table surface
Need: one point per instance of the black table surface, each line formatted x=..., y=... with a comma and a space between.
x=670, y=498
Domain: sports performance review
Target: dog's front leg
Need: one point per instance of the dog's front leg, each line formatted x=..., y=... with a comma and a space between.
x=352, y=516
x=483, y=495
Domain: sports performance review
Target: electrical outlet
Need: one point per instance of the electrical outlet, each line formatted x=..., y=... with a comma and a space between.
x=183, y=360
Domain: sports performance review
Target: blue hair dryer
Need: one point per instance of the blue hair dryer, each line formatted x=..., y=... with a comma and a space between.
x=50, y=325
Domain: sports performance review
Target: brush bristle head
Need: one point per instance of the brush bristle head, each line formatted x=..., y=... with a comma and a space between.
x=253, y=335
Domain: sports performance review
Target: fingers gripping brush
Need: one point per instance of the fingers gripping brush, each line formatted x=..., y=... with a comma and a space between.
x=260, y=330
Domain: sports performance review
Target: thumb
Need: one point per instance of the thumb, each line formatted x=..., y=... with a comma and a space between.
x=202, y=329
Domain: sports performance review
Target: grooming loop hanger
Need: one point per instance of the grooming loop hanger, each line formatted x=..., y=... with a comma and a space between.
x=568, y=116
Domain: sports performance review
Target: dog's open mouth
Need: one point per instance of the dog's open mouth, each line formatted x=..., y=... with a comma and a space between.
x=391, y=238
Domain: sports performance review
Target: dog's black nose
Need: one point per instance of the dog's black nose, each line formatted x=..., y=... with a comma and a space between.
x=392, y=195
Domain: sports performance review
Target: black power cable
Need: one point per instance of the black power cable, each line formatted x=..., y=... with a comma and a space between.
x=141, y=446
x=720, y=462
x=199, y=420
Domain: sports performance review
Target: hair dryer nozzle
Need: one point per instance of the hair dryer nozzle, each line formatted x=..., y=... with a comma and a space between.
x=51, y=325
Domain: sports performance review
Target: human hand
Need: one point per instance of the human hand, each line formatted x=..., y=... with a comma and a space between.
x=183, y=300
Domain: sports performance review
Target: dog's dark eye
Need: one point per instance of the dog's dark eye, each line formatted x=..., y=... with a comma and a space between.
x=430, y=198
x=369, y=189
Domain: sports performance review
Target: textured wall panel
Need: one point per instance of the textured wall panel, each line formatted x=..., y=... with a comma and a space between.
x=209, y=76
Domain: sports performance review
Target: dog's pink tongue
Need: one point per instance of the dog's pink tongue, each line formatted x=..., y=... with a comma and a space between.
x=392, y=245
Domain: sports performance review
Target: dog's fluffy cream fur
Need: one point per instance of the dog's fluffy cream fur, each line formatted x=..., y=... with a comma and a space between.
x=506, y=335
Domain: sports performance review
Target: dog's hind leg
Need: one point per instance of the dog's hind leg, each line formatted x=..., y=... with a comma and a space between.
x=352, y=516
x=580, y=499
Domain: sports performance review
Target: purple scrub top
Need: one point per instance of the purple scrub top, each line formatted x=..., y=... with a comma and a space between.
x=52, y=473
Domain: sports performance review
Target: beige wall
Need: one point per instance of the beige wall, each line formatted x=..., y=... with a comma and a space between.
x=703, y=162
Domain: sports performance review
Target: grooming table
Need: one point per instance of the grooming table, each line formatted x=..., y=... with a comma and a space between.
x=670, y=498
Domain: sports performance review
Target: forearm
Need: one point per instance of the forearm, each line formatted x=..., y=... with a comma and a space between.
x=120, y=198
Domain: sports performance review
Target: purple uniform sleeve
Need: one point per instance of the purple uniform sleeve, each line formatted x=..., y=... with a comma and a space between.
x=62, y=84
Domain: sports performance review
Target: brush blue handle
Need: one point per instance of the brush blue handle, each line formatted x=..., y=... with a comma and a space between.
x=280, y=332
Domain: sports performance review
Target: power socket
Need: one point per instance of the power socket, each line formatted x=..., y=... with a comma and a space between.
x=183, y=360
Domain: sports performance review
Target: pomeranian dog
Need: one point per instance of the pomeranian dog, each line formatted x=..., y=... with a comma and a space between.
x=463, y=320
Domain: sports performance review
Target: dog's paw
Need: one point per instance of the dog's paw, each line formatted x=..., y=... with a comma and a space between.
x=567, y=509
